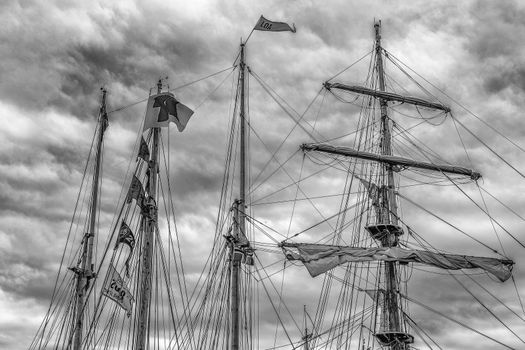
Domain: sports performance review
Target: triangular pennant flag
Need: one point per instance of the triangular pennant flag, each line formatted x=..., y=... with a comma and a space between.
x=143, y=150
x=164, y=108
x=372, y=293
x=373, y=191
x=126, y=236
x=115, y=289
x=270, y=26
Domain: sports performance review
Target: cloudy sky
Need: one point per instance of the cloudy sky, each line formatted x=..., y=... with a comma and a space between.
x=55, y=56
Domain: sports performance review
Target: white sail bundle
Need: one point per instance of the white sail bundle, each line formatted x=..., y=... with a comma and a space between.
x=320, y=258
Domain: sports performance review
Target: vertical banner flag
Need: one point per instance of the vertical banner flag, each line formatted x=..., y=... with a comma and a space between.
x=164, y=108
x=125, y=235
x=373, y=192
x=115, y=289
x=270, y=26
x=143, y=150
x=136, y=191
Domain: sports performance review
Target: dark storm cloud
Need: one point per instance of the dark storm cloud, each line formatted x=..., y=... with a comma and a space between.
x=194, y=181
x=26, y=280
x=514, y=78
x=131, y=48
x=501, y=60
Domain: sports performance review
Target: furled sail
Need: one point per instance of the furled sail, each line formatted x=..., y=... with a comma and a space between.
x=392, y=160
x=320, y=258
x=388, y=96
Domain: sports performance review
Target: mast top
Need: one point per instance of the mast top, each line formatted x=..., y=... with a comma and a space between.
x=377, y=27
x=159, y=86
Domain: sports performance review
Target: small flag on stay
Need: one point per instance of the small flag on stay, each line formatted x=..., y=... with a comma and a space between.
x=136, y=191
x=115, y=289
x=270, y=26
x=126, y=236
x=143, y=150
x=164, y=108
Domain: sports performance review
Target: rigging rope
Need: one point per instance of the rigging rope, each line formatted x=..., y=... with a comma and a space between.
x=464, y=108
x=493, y=220
x=174, y=89
x=271, y=94
x=448, y=223
x=350, y=66
x=485, y=307
x=455, y=321
x=487, y=146
x=273, y=305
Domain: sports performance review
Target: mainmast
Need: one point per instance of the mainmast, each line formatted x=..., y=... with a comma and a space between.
x=392, y=333
x=86, y=270
x=149, y=225
x=320, y=258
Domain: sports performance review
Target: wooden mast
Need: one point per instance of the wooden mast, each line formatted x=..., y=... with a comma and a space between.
x=240, y=219
x=393, y=335
x=86, y=271
x=149, y=222
x=307, y=336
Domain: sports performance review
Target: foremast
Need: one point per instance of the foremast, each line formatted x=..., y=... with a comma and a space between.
x=149, y=223
x=85, y=272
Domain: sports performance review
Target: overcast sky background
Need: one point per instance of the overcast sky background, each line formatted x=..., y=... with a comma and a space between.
x=55, y=56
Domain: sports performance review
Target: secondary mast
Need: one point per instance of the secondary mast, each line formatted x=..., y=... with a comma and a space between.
x=240, y=218
x=86, y=271
x=149, y=223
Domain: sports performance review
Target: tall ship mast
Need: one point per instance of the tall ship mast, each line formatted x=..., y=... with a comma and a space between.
x=85, y=271
x=295, y=194
x=150, y=228
x=134, y=287
x=374, y=166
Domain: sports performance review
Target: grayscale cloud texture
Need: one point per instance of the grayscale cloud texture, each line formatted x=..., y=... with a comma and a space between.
x=55, y=55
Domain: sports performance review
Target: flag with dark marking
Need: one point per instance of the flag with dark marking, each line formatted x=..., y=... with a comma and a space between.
x=143, y=150
x=115, y=289
x=136, y=191
x=125, y=235
x=164, y=108
x=270, y=26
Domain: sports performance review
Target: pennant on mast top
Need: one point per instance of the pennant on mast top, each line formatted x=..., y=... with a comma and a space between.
x=164, y=108
x=270, y=26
